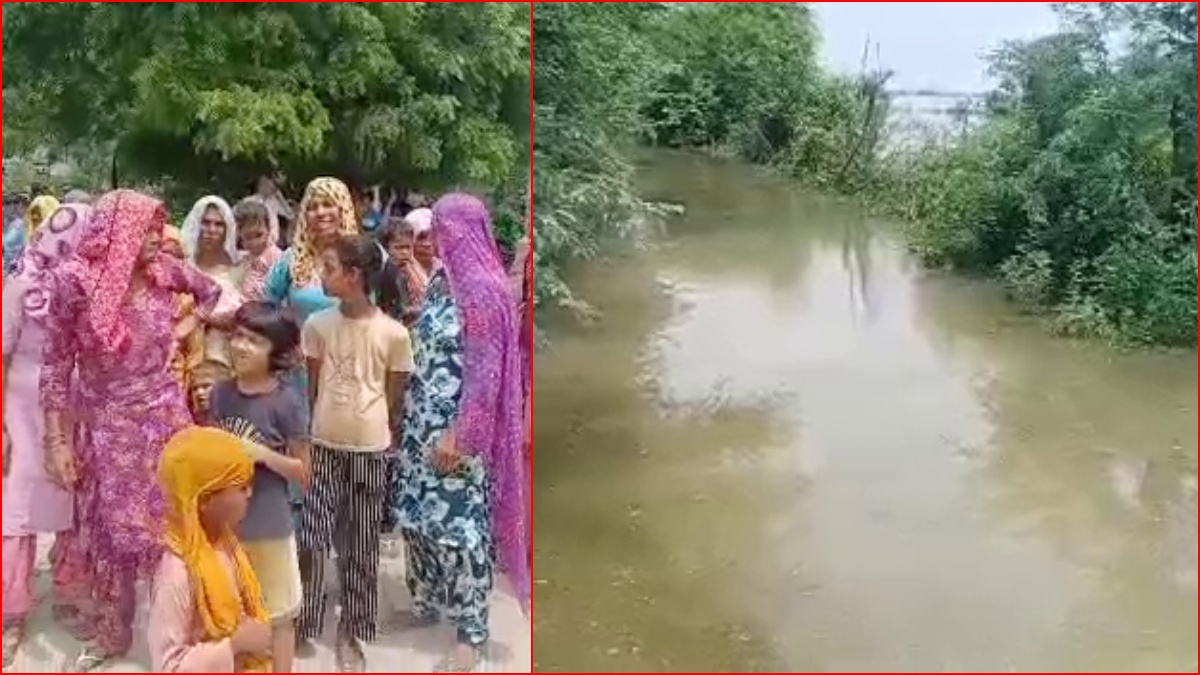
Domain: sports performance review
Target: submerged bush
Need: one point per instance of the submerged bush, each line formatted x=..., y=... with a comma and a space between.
x=1028, y=278
x=1078, y=190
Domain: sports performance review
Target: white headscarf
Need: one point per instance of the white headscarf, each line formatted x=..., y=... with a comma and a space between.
x=420, y=220
x=77, y=197
x=191, y=228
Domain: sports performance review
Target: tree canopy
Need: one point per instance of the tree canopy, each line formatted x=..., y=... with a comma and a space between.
x=737, y=76
x=1079, y=188
x=590, y=71
x=213, y=94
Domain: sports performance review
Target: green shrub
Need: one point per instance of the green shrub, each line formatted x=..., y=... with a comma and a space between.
x=1077, y=190
x=1028, y=277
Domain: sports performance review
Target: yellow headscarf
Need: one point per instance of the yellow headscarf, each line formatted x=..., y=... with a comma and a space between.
x=196, y=463
x=304, y=249
x=173, y=233
x=39, y=210
x=189, y=339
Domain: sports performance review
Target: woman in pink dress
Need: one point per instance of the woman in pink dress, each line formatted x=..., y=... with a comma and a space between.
x=112, y=324
x=33, y=504
x=519, y=274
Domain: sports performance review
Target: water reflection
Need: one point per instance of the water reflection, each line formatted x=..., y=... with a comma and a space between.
x=1094, y=455
x=786, y=447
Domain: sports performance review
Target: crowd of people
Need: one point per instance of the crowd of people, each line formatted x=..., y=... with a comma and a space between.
x=219, y=408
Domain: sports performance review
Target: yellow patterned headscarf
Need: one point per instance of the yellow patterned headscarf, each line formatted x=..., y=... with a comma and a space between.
x=304, y=249
x=175, y=235
x=196, y=463
x=39, y=210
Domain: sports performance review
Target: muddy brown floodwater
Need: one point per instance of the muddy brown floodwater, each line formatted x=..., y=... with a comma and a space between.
x=785, y=446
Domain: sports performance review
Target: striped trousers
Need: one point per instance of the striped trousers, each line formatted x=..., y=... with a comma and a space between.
x=343, y=509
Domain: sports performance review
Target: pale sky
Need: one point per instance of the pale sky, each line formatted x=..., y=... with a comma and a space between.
x=930, y=45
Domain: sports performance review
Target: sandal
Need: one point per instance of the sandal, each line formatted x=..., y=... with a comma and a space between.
x=391, y=548
x=88, y=661
x=452, y=664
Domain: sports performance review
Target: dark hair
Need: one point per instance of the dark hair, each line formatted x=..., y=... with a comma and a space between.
x=395, y=228
x=250, y=211
x=277, y=325
x=357, y=252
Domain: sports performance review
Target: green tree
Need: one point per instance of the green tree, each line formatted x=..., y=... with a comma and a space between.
x=731, y=75
x=732, y=72
x=206, y=95
x=1079, y=189
x=590, y=81
x=745, y=78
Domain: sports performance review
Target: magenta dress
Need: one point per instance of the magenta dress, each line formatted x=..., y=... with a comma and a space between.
x=126, y=406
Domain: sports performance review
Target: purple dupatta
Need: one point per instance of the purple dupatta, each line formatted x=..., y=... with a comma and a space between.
x=491, y=417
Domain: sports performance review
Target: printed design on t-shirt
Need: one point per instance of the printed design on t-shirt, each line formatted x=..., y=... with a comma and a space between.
x=243, y=429
x=343, y=383
x=345, y=388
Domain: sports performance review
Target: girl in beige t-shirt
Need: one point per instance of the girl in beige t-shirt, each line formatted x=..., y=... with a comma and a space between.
x=358, y=360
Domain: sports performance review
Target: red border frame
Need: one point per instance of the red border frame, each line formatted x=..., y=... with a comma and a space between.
x=533, y=40
x=529, y=277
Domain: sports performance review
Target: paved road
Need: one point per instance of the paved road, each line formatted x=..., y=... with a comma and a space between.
x=50, y=650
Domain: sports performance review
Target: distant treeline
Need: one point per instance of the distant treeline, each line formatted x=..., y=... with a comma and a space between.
x=1074, y=184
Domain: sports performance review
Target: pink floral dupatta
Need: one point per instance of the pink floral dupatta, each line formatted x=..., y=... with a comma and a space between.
x=121, y=219
x=53, y=243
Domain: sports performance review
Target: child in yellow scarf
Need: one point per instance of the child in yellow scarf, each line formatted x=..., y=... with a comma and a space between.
x=206, y=614
x=39, y=210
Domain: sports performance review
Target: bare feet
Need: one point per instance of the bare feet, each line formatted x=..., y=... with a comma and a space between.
x=13, y=636
x=464, y=659
x=350, y=657
x=304, y=648
x=405, y=620
x=68, y=617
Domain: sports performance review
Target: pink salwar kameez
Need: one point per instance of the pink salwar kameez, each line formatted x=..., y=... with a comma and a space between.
x=124, y=402
x=33, y=503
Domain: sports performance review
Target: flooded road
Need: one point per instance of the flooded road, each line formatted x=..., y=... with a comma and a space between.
x=785, y=446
